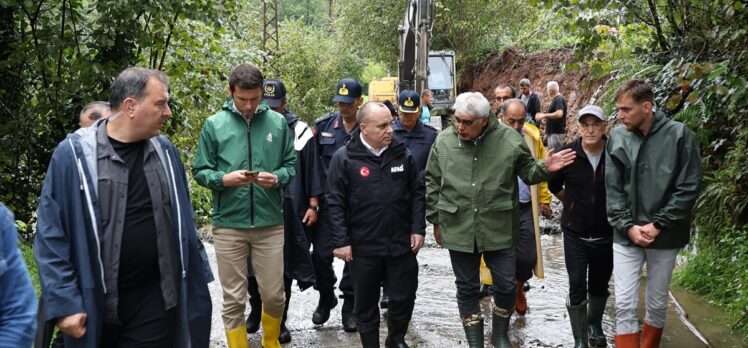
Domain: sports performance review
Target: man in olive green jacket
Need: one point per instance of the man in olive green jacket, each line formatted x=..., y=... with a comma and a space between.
x=652, y=179
x=246, y=157
x=472, y=200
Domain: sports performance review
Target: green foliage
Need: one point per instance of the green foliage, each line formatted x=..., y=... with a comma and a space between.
x=471, y=28
x=28, y=257
x=312, y=62
x=57, y=56
x=694, y=53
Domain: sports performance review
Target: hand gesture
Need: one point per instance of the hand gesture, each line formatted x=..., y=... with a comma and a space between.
x=556, y=161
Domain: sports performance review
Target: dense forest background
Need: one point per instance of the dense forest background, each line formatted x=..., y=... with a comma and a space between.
x=55, y=56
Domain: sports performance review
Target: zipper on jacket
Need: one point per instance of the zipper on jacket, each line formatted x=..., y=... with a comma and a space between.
x=251, y=187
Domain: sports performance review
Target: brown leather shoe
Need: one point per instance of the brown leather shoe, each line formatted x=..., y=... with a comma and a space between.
x=520, y=303
x=651, y=336
x=629, y=340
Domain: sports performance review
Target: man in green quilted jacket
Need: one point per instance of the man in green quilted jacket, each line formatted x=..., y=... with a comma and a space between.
x=472, y=200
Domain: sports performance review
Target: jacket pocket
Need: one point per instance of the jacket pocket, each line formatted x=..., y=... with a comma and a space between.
x=447, y=212
x=502, y=217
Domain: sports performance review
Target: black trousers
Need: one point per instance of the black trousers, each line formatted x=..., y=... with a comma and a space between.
x=368, y=273
x=322, y=259
x=466, y=267
x=526, y=251
x=593, y=259
x=144, y=322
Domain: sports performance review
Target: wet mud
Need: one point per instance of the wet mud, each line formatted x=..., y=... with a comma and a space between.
x=436, y=320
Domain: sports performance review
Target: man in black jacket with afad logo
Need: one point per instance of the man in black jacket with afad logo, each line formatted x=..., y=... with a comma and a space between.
x=375, y=200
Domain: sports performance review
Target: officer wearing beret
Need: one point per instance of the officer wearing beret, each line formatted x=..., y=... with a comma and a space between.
x=333, y=131
x=416, y=135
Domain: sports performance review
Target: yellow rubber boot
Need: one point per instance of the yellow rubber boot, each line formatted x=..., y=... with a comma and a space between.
x=237, y=337
x=270, y=331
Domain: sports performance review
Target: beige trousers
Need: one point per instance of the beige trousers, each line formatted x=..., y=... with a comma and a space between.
x=233, y=249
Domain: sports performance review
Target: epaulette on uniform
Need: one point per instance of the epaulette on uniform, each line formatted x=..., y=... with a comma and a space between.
x=324, y=117
x=432, y=128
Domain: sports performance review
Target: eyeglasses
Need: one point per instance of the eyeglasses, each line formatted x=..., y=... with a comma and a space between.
x=466, y=123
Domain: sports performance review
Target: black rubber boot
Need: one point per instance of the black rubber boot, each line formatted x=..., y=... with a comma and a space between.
x=500, y=327
x=396, y=331
x=349, y=323
x=473, y=326
x=326, y=303
x=369, y=339
x=285, y=335
x=255, y=305
x=595, y=311
x=578, y=320
x=485, y=290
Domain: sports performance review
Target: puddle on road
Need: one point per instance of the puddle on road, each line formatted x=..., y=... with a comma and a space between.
x=435, y=319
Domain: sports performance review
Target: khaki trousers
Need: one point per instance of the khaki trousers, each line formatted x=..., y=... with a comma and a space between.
x=233, y=248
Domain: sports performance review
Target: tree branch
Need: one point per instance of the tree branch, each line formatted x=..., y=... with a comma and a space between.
x=658, y=28
x=168, y=39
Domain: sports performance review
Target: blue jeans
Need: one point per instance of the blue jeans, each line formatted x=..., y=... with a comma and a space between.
x=466, y=267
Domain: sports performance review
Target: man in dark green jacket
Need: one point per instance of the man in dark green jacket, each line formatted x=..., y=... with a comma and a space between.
x=653, y=177
x=472, y=200
x=246, y=156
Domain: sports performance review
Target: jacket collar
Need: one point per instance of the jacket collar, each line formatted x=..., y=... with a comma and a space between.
x=356, y=149
x=659, y=121
x=417, y=129
x=230, y=107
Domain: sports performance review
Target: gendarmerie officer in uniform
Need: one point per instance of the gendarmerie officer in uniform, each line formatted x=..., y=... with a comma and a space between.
x=332, y=132
x=375, y=199
x=416, y=135
x=300, y=208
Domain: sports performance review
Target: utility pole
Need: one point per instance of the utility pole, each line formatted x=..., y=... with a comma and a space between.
x=270, y=42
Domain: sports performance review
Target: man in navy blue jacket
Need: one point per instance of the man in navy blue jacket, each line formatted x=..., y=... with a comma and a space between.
x=376, y=198
x=116, y=245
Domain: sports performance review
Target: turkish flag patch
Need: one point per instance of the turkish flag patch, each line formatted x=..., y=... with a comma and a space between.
x=364, y=171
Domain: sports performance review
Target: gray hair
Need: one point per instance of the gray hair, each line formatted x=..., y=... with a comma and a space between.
x=506, y=104
x=131, y=83
x=524, y=82
x=365, y=111
x=425, y=92
x=472, y=104
x=97, y=106
x=552, y=86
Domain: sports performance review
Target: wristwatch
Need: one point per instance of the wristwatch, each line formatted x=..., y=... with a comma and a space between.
x=315, y=208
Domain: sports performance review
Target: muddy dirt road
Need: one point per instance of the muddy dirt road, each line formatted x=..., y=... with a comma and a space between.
x=435, y=319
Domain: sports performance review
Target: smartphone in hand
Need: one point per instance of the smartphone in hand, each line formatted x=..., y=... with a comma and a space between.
x=251, y=173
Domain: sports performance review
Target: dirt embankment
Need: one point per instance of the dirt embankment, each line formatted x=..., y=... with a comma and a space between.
x=578, y=86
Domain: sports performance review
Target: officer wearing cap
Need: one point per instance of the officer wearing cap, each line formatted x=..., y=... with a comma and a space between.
x=332, y=132
x=408, y=128
x=588, y=237
x=300, y=206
